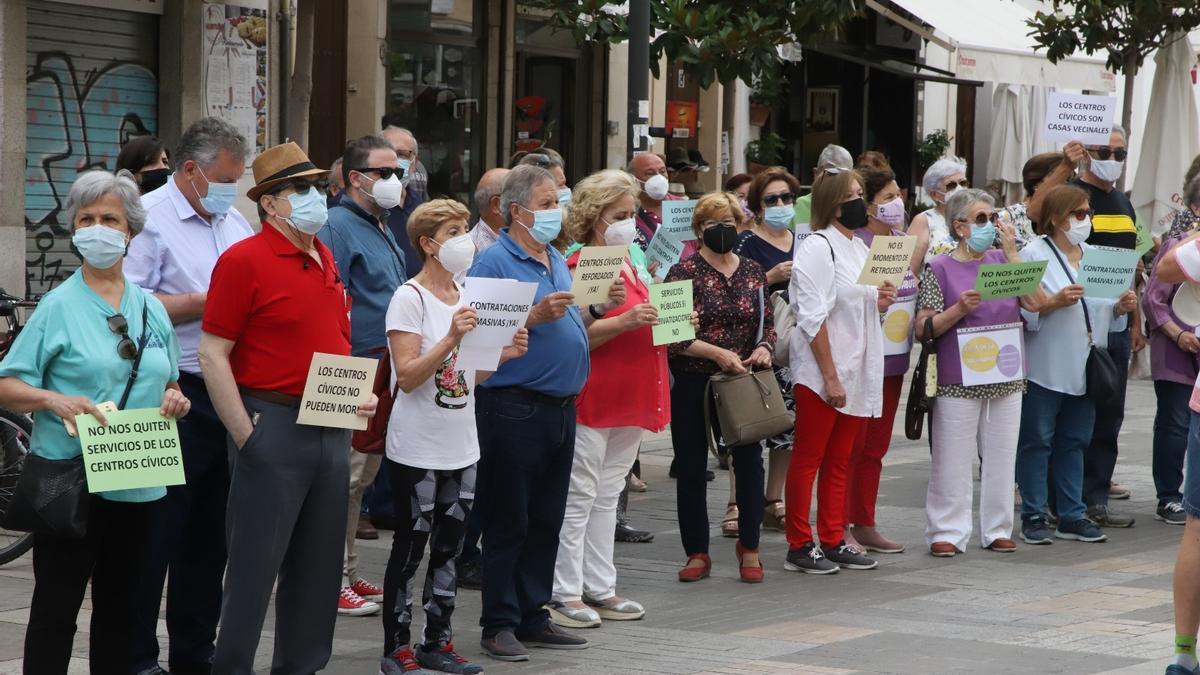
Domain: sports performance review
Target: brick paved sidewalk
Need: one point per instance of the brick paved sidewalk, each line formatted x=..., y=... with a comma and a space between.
x=1066, y=608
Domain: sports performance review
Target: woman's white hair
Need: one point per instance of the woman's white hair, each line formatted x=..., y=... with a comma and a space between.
x=940, y=171
x=91, y=186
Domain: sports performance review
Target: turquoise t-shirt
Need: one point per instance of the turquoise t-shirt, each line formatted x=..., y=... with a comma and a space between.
x=68, y=348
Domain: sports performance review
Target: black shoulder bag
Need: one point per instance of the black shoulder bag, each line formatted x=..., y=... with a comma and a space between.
x=1100, y=374
x=51, y=496
x=920, y=400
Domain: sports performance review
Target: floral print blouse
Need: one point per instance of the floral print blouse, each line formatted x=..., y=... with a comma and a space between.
x=731, y=310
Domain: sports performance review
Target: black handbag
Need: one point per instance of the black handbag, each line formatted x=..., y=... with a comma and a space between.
x=51, y=495
x=1100, y=374
x=920, y=401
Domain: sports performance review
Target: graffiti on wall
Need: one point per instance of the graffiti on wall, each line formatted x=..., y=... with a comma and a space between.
x=77, y=120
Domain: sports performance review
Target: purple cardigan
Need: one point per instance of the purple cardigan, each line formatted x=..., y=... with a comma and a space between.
x=1167, y=361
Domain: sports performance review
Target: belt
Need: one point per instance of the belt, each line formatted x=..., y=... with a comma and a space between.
x=537, y=396
x=269, y=396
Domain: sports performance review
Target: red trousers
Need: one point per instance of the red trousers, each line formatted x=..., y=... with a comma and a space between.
x=824, y=442
x=867, y=461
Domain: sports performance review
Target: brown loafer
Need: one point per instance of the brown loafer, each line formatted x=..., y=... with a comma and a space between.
x=942, y=549
x=1003, y=545
x=365, y=529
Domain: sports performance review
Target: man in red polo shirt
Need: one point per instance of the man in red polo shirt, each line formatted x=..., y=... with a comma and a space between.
x=276, y=299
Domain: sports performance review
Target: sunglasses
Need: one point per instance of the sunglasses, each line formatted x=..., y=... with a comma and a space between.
x=126, y=348
x=784, y=198
x=964, y=183
x=385, y=172
x=1080, y=214
x=1104, y=153
x=984, y=218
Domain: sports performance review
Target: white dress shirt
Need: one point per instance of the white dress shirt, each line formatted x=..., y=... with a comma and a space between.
x=483, y=236
x=824, y=291
x=176, y=253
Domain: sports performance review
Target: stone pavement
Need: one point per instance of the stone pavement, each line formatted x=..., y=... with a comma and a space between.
x=1066, y=608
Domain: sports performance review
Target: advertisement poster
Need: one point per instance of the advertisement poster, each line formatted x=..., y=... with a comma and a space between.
x=235, y=67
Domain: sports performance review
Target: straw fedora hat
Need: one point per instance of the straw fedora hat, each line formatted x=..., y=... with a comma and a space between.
x=1186, y=304
x=280, y=164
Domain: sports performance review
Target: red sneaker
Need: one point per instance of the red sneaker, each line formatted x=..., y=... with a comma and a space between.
x=351, y=604
x=401, y=661
x=367, y=590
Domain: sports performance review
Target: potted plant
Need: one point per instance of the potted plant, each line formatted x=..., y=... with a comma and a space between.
x=763, y=152
x=932, y=149
x=768, y=91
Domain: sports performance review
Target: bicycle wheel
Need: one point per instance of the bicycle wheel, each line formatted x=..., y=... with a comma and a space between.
x=15, y=430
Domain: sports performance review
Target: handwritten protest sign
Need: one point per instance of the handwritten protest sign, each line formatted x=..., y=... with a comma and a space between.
x=1079, y=117
x=1144, y=241
x=138, y=449
x=502, y=307
x=991, y=354
x=335, y=387
x=596, y=271
x=665, y=249
x=1107, y=272
x=888, y=260
x=674, y=303
x=1009, y=280
x=677, y=218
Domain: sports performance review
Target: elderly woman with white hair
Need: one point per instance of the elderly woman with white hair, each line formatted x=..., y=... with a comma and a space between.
x=973, y=415
x=81, y=347
x=930, y=227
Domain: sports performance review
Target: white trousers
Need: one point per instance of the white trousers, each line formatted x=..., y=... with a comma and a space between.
x=962, y=430
x=603, y=458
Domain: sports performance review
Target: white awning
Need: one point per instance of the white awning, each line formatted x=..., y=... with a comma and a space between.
x=991, y=42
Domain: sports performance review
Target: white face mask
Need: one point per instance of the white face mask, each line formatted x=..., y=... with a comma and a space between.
x=657, y=187
x=388, y=194
x=1107, y=170
x=947, y=194
x=456, y=254
x=620, y=233
x=1080, y=230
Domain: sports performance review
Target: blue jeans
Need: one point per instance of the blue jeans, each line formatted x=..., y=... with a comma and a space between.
x=1055, y=430
x=1191, y=485
x=1170, y=438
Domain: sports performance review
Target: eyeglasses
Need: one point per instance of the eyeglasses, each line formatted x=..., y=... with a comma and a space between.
x=1080, y=214
x=385, y=172
x=730, y=222
x=126, y=348
x=964, y=183
x=1104, y=153
x=984, y=218
x=784, y=198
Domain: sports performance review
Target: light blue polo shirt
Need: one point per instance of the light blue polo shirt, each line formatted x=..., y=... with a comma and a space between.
x=68, y=348
x=557, y=362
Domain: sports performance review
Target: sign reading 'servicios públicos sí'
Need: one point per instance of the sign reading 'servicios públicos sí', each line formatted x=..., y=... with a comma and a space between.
x=1079, y=117
x=335, y=388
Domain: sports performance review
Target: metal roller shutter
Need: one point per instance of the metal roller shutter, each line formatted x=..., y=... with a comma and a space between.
x=91, y=85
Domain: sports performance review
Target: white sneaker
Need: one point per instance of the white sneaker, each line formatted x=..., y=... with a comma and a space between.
x=352, y=604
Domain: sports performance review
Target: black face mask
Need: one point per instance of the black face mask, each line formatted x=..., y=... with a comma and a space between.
x=854, y=214
x=720, y=238
x=154, y=179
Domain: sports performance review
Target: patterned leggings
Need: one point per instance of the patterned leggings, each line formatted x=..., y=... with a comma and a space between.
x=437, y=504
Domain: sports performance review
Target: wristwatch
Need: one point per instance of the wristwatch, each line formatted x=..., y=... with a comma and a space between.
x=595, y=315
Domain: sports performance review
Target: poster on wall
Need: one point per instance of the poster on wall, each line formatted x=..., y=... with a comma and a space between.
x=235, y=67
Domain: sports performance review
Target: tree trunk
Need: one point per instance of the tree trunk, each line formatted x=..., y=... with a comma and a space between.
x=1131, y=71
x=300, y=93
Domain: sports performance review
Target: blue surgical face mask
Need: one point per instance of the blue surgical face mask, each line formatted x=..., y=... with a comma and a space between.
x=100, y=246
x=220, y=195
x=404, y=164
x=982, y=237
x=779, y=217
x=546, y=224
x=309, y=211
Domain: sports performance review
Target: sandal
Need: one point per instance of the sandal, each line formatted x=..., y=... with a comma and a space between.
x=775, y=515
x=729, y=526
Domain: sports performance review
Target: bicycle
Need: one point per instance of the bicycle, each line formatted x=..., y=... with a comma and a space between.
x=15, y=432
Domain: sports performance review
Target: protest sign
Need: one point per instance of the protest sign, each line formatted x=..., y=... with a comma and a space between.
x=596, y=271
x=138, y=449
x=1107, y=272
x=665, y=249
x=897, y=326
x=335, y=387
x=1079, y=117
x=674, y=304
x=677, y=218
x=888, y=260
x=502, y=307
x=1144, y=241
x=991, y=354
x=1009, y=280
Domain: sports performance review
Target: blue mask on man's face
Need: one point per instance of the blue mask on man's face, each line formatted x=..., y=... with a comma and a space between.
x=220, y=195
x=546, y=224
